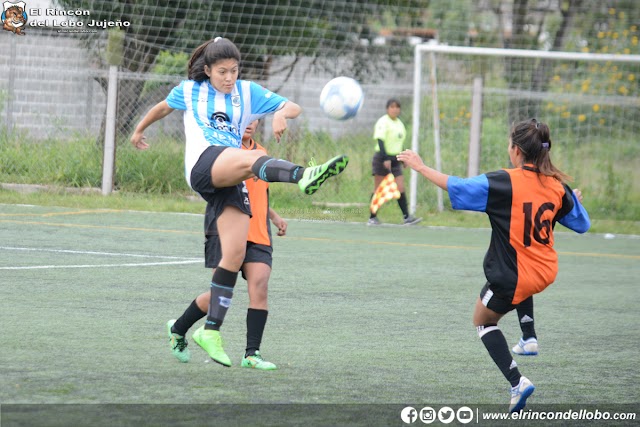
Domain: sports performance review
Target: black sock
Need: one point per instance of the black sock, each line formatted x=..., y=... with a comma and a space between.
x=498, y=349
x=525, y=317
x=371, y=214
x=190, y=316
x=222, y=285
x=256, y=320
x=276, y=170
x=402, y=202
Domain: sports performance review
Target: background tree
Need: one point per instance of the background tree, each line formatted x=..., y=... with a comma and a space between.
x=332, y=33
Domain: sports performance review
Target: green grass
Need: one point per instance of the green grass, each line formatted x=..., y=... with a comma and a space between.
x=358, y=315
x=288, y=204
x=604, y=166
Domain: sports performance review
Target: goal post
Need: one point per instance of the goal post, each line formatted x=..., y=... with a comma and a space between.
x=586, y=98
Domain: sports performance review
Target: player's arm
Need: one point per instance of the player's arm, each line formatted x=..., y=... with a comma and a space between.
x=412, y=160
x=159, y=111
x=290, y=110
x=572, y=214
x=278, y=221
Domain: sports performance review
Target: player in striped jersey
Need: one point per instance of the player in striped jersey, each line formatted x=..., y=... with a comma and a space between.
x=523, y=204
x=217, y=107
x=256, y=269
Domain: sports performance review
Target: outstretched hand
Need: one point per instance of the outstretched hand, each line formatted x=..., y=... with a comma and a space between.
x=578, y=194
x=410, y=159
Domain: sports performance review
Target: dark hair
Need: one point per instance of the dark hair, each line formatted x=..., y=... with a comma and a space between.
x=532, y=137
x=208, y=53
x=392, y=101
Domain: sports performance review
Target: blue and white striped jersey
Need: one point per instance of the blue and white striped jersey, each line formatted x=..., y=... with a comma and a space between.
x=215, y=118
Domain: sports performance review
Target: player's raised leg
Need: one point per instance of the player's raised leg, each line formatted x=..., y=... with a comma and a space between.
x=234, y=166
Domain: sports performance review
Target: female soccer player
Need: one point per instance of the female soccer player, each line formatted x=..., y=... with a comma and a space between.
x=523, y=205
x=256, y=269
x=217, y=109
x=389, y=134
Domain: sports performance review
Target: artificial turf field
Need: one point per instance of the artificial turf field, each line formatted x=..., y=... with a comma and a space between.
x=359, y=317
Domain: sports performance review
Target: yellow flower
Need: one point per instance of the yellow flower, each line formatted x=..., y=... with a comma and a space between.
x=626, y=51
x=600, y=34
x=585, y=49
x=582, y=118
x=623, y=90
x=565, y=114
x=631, y=77
x=621, y=15
x=633, y=28
x=612, y=11
x=468, y=115
x=585, y=85
x=549, y=105
x=615, y=35
x=601, y=122
x=596, y=108
x=556, y=78
x=634, y=40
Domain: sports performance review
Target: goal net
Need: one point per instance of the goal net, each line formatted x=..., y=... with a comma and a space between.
x=465, y=100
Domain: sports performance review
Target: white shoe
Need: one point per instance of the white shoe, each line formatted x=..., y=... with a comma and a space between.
x=374, y=221
x=520, y=393
x=526, y=348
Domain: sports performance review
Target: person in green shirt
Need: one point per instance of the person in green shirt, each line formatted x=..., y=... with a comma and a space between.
x=390, y=134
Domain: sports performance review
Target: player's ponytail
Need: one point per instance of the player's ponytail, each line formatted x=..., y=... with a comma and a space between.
x=534, y=140
x=208, y=53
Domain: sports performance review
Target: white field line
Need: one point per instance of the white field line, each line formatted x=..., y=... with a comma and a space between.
x=174, y=260
x=142, y=264
x=65, y=251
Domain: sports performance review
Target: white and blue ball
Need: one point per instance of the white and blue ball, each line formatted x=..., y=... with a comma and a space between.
x=341, y=98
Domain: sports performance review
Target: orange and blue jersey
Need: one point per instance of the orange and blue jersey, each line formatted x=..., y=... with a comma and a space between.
x=523, y=206
x=216, y=118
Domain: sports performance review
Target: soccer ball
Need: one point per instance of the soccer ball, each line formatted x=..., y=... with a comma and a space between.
x=341, y=98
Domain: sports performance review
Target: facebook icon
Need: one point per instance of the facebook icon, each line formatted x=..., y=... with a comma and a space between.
x=409, y=415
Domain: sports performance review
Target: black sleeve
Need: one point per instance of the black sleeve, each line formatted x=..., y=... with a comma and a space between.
x=384, y=152
x=567, y=204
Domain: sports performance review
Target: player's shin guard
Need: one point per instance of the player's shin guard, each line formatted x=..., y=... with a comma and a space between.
x=256, y=321
x=525, y=316
x=276, y=170
x=222, y=285
x=498, y=349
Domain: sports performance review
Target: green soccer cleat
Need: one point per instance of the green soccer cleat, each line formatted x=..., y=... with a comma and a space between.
x=178, y=344
x=257, y=362
x=211, y=342
x=314, y=176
